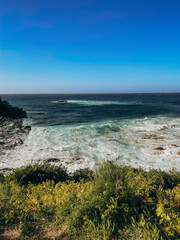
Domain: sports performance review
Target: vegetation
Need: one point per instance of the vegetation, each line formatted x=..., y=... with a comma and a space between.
x=8, y=111
x=36, y=174
x=113, y=202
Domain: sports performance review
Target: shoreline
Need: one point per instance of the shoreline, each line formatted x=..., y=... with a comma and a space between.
x=155, y=143
x=12, y=134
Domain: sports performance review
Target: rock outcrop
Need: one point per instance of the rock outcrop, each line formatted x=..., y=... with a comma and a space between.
x=12, y=130
x=8, y=111
x=12, y=133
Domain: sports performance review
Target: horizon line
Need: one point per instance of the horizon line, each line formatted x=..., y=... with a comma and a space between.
x=90, y=93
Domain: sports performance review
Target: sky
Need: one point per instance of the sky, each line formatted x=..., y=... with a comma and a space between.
x=89, y=46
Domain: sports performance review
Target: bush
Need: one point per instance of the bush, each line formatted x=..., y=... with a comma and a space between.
x=114, y=202
x=29, y=225
x=120, y=193
x=38, y=173
x=1, y=177
x=168, y=211
x=8, y=111
x=82, y=174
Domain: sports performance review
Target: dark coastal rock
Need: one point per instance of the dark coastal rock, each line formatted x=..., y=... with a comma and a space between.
x=50, y=160
x=54, y=160
x=174, y=145
x=62, y=101
x=159, y=148
x=6, y=171
x=12, y=130
x=12, y=133
x=152, y=136
x=69, y=160
x=27, y=128
x=77, y=158
x=178, y=153
x=8, y=111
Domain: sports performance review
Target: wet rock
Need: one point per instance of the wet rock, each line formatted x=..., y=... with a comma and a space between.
x=8, y=111
x=6, y=171
x=174, y=145
x=152, y=136
x=159, y=148
x=27, y=128
x=68, y=160
x=77, y=158
x=62, y=101
x=49, y=160
x=12, y=133
x=53, y=160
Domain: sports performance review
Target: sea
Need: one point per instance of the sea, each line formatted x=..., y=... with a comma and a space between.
x=139, y=130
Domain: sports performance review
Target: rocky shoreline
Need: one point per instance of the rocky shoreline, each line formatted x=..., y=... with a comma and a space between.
x=12, y=134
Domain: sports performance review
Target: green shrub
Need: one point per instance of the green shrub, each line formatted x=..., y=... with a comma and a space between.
x=168, y=211
x=167, y=179
x=29, y=225
x=38, y=173
x=118, y=194
x=112, y=203
x=140, y=230
x=82, y=174
x=1, y=177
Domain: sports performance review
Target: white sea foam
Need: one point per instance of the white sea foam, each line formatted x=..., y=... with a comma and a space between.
x=96, y=103
x=38, y=112
x=80, y=146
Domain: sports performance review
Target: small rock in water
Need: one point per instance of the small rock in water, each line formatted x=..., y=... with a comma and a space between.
x=77, y=158
x=159, y=148
x=152, y=136
x=178, y=153
x=52, y=160
x=174, y=145
x=49, y=160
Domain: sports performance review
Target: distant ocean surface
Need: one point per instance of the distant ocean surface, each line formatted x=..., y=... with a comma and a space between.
x=129, y=129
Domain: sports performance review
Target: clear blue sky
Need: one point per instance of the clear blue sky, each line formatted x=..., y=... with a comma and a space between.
x=89, y=46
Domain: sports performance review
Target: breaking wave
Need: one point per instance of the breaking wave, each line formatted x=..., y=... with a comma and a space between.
x=150, y=142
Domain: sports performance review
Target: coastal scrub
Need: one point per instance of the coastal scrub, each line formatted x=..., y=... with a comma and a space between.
x=113, y=202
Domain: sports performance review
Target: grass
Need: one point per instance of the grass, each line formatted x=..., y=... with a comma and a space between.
x=113, y=202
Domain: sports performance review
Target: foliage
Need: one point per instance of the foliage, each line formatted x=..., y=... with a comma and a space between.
x=82, y=174
x=114, y=202
x=38, y=173
x=1, y=177
x=8, y=111
x=168, y=210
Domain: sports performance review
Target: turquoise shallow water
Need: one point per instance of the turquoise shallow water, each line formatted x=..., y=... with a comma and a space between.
x=89, y=129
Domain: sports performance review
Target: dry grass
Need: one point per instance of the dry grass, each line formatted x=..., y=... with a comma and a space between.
x=10, y=234
x=48, y=233
x=53, y=232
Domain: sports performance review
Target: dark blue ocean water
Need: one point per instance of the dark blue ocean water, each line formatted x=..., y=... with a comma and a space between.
x=44, y=111
x=127, y=129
